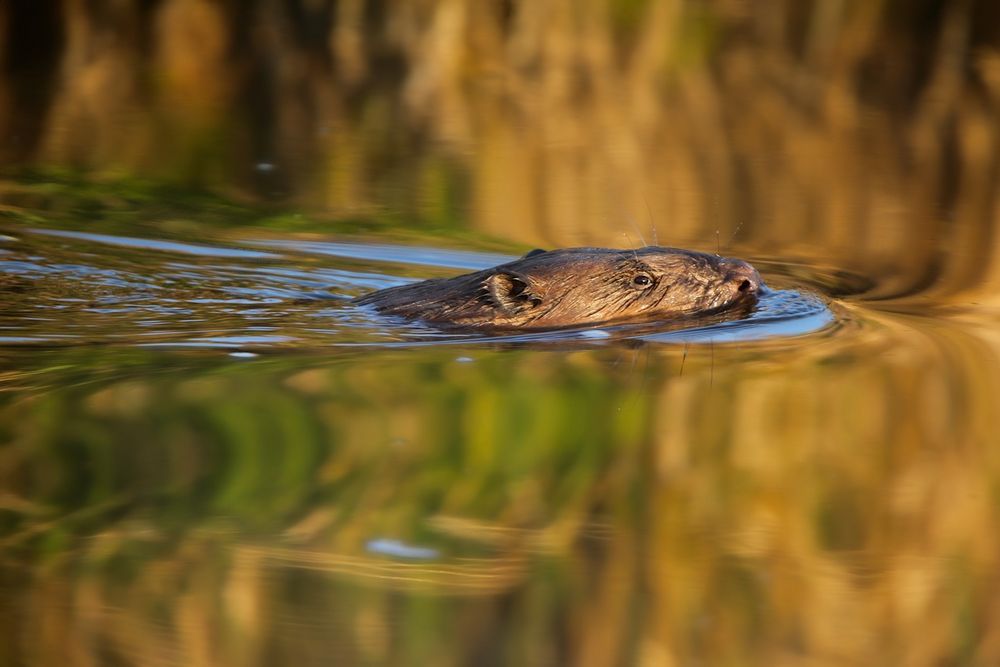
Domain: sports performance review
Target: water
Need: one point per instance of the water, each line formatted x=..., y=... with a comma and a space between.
x=68, y=287
x=210, y=456
x=214, y=431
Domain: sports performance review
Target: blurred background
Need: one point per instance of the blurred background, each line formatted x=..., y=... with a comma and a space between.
x=827, y=499
x=863, y=133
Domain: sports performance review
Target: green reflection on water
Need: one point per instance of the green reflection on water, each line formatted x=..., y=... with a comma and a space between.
x=259, y=441
x=190, y=505
x=186, y=468
x=828, y=500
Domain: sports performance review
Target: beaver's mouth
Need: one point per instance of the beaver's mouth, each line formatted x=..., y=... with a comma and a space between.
x=740, y=295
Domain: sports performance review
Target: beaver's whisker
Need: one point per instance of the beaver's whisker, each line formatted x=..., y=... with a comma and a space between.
x=635, y=228
x=652, y=225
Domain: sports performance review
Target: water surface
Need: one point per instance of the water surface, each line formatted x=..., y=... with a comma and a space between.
x=72, y=287
x=211, y=454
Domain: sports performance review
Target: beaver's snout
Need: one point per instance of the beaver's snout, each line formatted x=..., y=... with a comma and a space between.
x=744, y=276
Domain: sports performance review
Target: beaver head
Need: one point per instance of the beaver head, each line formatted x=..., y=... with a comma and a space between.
x=578, y=287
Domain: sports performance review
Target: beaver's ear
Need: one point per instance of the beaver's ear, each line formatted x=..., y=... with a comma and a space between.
x=532, y=253
x=510, y=292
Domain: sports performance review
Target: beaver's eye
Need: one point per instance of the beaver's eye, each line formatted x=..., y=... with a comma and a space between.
x=642, y=280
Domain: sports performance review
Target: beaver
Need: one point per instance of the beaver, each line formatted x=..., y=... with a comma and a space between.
x=574, y=287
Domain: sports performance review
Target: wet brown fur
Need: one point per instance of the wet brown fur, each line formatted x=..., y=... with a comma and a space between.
x=577, y=287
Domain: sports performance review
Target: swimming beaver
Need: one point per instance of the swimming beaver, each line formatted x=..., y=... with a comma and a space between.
x=578, y=286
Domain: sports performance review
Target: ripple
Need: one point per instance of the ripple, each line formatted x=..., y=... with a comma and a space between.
x=98, y=288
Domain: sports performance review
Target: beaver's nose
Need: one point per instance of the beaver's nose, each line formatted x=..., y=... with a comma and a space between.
x=745, y=276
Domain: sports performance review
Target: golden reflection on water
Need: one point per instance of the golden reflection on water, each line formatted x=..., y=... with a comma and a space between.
x=863, y=135
x=828, y=499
